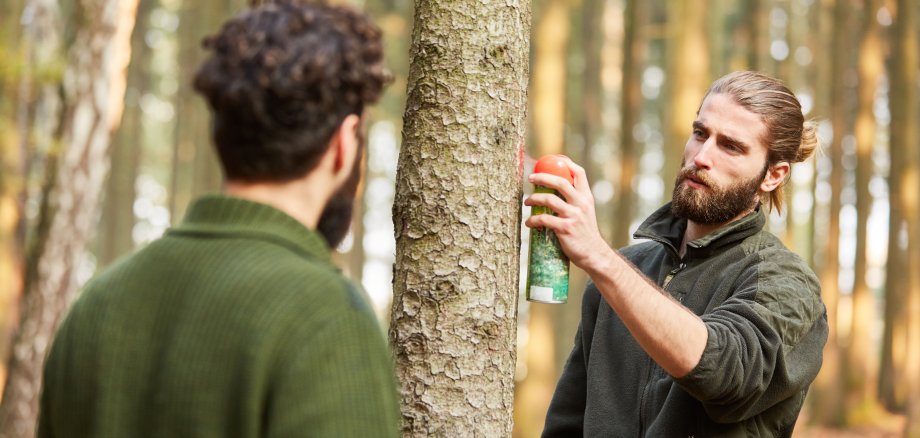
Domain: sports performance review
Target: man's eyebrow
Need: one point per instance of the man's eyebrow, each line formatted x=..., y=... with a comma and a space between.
x=722, y=138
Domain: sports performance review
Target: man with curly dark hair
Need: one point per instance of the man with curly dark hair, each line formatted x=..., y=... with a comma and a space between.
x=236, y=323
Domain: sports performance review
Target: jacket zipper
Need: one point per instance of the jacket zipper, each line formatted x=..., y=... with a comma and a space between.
x=648, y=366
x=670, y=276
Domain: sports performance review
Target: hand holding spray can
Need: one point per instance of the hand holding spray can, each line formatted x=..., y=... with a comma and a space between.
x=548, y=266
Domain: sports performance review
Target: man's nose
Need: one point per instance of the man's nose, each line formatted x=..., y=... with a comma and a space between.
x=703, y=157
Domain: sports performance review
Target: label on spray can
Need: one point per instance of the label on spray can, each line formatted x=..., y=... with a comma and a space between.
x=548, y=266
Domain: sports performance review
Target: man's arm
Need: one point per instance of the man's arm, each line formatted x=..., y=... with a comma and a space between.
x=765, y=342
x=670, y=333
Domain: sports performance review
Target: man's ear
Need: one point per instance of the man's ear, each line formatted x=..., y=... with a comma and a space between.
x=775, y=177
x=345, y=146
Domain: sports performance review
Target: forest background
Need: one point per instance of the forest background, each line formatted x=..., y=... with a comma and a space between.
x=614, y=84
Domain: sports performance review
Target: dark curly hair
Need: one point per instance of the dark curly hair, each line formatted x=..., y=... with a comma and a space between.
x=281, y=79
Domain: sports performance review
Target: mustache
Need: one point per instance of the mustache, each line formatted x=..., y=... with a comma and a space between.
x=691, y=172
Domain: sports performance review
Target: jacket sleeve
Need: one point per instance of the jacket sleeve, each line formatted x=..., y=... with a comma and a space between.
x=765, y=342
x=336, y=380
x=565, y=417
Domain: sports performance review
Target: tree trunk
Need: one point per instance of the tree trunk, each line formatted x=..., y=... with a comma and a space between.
x=127, y=148
x=904, y=137
x=687, y=81
x=634, y=48
x=94, y=86
x=549, y=76
x=457, y=218
x=15, y=107
x=195, y=169
x=861, y=366
x=829, y=407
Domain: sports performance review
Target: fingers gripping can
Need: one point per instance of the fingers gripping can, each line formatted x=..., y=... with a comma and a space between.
x=548, y=266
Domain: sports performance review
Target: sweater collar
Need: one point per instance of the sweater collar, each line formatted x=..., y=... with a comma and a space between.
x=228, y=215
x=662, y=226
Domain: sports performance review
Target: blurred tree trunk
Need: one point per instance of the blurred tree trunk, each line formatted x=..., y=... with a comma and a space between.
x=718, y=32
x=551, y=36
x=786, y=70
x=93, y=90
x=457, y=217
x=551, y=81
x=907, y=49
x=634, y=58
x=196, y=170
x=15, y=85
x=829, y=408
x=861, y=366
x=820, y=18
x=687, y=80
x=904, y=138
x=127, y=147
x=759, y=57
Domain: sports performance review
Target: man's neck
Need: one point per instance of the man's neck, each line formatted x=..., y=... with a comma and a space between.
x=301, y=199
x=696, y=230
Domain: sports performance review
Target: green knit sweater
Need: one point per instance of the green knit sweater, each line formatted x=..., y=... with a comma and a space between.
x=234, y=324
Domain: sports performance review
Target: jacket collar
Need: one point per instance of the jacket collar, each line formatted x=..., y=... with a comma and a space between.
x=221, y=215
x=662, y=226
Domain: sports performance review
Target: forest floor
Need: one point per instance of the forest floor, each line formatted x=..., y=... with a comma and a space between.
x=891, y=427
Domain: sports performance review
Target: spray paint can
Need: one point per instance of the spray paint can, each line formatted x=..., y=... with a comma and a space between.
x=547, y=265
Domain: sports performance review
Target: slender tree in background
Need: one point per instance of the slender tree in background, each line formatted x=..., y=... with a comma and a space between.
x=904, y=137
x=828, y=397
x=457, y=217
x=127, y=147
x=195, y=167
x=93, y=92
x=16, y=85
x=634, y=56
x=820, y=68
x=861, y=366
x=687, y=79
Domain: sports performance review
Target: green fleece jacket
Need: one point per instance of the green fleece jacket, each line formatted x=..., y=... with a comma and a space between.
x=767, y=327
x=234, y=324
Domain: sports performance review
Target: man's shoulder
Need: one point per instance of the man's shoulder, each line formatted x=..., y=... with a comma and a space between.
x=281, y=279
x=769, y=250
x=640, y=250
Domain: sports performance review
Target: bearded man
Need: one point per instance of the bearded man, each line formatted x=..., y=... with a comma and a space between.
x=236, y=323
x=712, y=327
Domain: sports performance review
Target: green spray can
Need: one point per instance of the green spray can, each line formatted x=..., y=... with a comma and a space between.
x=547, y=264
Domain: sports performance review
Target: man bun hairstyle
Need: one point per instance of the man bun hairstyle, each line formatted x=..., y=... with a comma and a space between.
x=280, y=80
x=788, y=136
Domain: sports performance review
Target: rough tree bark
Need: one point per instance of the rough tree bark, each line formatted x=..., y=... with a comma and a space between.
x=93, y=88
x=457, y=217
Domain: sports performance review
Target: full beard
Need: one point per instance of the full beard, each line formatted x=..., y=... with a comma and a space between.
x=717, y=205
x=335, y=220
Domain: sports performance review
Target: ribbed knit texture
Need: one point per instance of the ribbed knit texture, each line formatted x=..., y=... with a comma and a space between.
x=234, y=324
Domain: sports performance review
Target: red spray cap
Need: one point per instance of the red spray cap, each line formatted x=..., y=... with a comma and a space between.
x=554, y=165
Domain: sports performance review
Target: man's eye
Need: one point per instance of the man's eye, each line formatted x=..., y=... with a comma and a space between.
x=698, y=133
